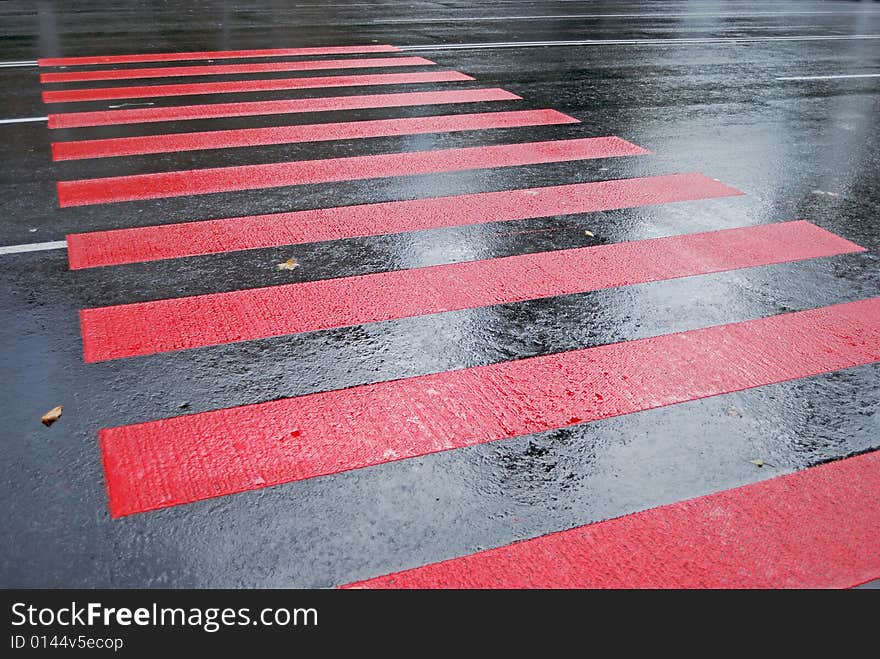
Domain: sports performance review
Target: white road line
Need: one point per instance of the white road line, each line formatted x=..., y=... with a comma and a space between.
x=7, y=65
x=636, y=42
x=461, y=19
x=33, y=247
x=836, y=77
x=23, y=120
x=343, y=6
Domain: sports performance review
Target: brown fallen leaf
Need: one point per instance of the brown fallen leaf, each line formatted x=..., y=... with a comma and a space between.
x=52, y=415
x=757, y=463
x=589, y=233
x=289, y=264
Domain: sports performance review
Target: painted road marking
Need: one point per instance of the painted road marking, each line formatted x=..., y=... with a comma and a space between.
x=253, y=177
x=636, y=42
x=285, y=106
x=239, y=86
x=816, y=528
x=187, y=458
x=138, y=244
x=218, y=54
x=183, y=323
x=23, y=120
x=230, y=69
x=834, y=77
x=9, y=65
x=656, y=15
x=33, y=247
x=249, y=137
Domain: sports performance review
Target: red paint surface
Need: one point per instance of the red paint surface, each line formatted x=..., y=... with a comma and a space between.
x=817, y=528
x=238, y=86
x=192, y=322
x=285, y=106
x=253, y=177
x=183, y=459
x=225, y=139
x=217, y=54
x=101, y=248
x=233, y=69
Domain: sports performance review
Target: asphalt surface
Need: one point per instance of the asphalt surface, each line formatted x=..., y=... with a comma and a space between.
x=797, y=149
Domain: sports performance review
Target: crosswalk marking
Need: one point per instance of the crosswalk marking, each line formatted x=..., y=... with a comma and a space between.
x=216, y=54
x=240, y=86
x=193, y=322
x=139, y=244
x=284, y=106
x=817, y=528
x=184, y=459
x=232, y=69
x=301, y=172
x=250, y=137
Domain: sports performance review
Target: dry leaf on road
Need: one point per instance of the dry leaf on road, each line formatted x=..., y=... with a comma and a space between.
x=52, y=415
x=289, y=264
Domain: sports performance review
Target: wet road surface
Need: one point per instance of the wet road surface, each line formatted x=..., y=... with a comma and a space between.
x=777, y=101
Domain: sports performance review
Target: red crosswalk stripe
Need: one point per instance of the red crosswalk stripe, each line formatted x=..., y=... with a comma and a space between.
x=253, y=177
x=817, y=528
x=192, y=322
x=251, y=137
x=285, y=106
x=232, y=69
x=101, y=248
x=188, y=458
x=215, y=54
x=241, y=86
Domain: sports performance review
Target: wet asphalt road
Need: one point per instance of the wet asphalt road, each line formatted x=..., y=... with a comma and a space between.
x=797, y=149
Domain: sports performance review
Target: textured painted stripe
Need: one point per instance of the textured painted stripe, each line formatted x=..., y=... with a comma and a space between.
x=192, y=322
x=286, y=106
x=232, y=69
x=217, y=54
x=183, y=459
x=817, y=528
x=239, y=86
x=101, y=248
x=301, y=172
x=226, y=139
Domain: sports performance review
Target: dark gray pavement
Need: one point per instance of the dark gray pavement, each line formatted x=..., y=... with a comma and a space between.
x=798, y=149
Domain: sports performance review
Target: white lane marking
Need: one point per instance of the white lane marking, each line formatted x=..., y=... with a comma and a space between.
x=636, y=42
x=461, y=19
x=33, y=247
x=348, y=4
x=6, y=65
x=126, y=105
x=834, y=77
x=22, y=120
